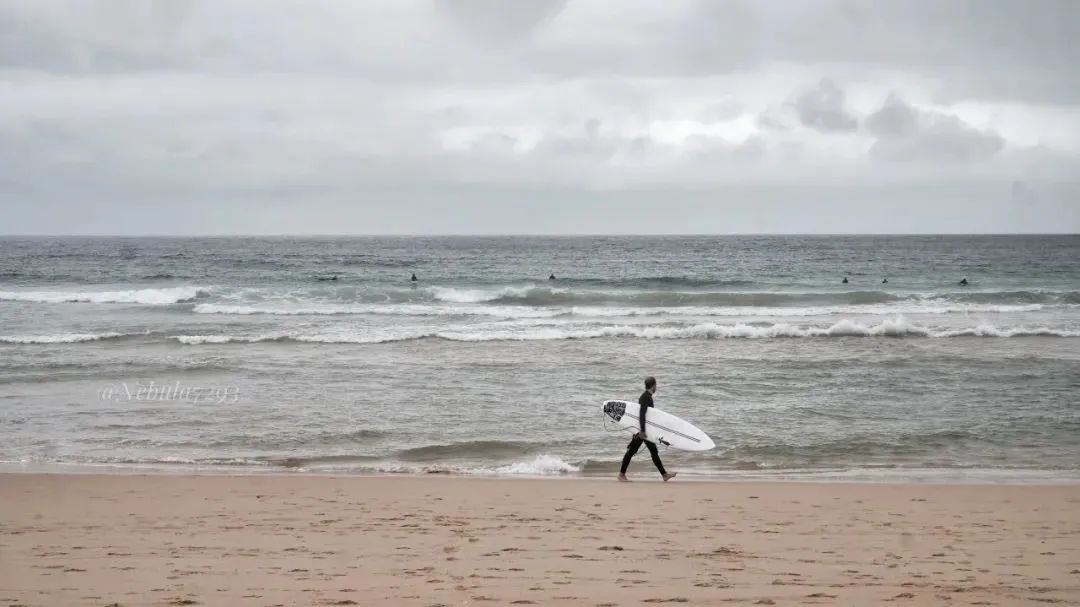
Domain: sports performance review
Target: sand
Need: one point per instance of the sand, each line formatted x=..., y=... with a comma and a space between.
x=431, y=540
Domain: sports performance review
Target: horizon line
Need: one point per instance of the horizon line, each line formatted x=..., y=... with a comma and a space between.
x=527, y=234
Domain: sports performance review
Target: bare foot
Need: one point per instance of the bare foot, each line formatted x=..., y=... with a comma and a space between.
x=622, y=477
x=668, y=477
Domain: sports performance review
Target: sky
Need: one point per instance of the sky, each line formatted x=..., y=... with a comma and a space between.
x=539, y=116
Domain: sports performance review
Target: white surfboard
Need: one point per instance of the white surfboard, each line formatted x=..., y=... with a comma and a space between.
x=661, y=427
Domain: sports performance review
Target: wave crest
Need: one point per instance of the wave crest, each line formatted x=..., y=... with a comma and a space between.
x=62, y=338
x=480, y=449
x=896, y=327
x=541, y=465
x=162, y=296
x=378, y=309
x=479, y=295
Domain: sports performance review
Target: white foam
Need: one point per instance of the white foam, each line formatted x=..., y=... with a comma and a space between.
x=703, y=331
x=895, y=327
x=791, y=312
x=542, y=465
x=64, y=338
x=380, y=309
x=512, y=311
x=985, y=330
x=527, y=331
x=163, y=296
x=458, y=295
x=208, y=339
x=340, y=337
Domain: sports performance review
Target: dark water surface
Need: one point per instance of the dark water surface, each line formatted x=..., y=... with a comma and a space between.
x=242, y=354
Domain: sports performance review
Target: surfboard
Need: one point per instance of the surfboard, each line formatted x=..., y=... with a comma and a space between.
x=661, y=427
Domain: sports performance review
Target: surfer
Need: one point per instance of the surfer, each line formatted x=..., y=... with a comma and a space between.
x=414, y=278
x=552, y=277
x=845, y=281
x=884, y=281
x=645, y=401
x=963, y=282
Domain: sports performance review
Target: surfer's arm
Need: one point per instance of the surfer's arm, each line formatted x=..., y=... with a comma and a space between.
x=641, y=417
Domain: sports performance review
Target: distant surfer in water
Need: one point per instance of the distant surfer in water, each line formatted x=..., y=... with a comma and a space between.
x=552, y=277
x=645, y=401
x=963, y=282
x=845, y=281
x=884, y=281
x=414, y=278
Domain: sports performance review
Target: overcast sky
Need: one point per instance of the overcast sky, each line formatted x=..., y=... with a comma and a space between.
x=539, y=116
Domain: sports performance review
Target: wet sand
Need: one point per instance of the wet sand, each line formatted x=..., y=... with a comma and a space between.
x=432, y=540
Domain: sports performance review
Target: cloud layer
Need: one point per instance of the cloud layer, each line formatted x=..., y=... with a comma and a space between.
x=295, y=113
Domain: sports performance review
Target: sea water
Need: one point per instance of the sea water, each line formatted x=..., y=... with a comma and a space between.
x=308, y=355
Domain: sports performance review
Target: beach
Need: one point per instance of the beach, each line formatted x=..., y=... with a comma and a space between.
x=427, y=540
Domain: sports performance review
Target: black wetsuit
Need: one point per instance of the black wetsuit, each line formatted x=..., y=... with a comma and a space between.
x=645, y=401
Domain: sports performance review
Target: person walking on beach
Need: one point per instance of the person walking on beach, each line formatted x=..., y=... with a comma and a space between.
x=645, y=401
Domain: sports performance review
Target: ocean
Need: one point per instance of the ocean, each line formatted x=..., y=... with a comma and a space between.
x=320, y=355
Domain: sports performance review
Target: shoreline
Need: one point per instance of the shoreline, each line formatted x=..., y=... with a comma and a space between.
x=875, y=476
x=428, y=540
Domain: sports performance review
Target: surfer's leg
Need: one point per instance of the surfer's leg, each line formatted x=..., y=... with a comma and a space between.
x=631, y=449
x=656, y=458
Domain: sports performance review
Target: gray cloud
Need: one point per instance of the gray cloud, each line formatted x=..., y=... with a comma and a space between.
x=895, y=119
x=822, y=107
x=192, y=103
x=997, y=48
x=505, y=22
x=907, y=134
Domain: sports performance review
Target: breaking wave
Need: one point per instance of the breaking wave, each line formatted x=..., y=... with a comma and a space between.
x=532, y=295
x=63, y=338
x=479, y=295
x=162, y=296
x=468, y=449
x=897, y=327
x=517, y=311
x=536, y=295
x=378, y=309
x=541, y=465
